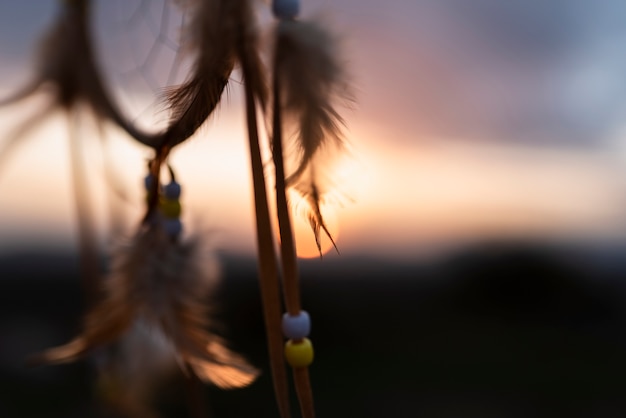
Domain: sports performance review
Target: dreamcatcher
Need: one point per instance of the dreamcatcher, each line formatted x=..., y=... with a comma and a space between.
x=159, y=278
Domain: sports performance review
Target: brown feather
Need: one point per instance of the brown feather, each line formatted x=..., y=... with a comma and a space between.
x=225, y=368
x=164, y=283
x=312, y=82
x=210, y=35
x=219, y=32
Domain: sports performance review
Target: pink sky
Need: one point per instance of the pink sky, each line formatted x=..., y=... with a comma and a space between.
x=395, y=199
x=414, y=179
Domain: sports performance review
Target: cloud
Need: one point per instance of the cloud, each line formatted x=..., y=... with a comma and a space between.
x=531, y=71
x=518, y=70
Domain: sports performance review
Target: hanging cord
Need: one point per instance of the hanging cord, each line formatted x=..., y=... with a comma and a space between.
x=298, y=349
x=268, y=271
x=308, y=77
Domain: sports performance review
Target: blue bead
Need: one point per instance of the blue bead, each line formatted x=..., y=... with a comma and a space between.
x=296, y=327
x=148, y=181
x=172, y=190
x=173, y=227
x=286, y=9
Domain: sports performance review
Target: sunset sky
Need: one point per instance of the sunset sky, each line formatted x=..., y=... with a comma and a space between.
x=472, y=120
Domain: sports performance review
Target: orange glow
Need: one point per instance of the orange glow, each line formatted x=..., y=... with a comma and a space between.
x=303, y=233
x=305, y=241
x=394, y=197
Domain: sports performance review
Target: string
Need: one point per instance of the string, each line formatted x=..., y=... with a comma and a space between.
x=291, y=288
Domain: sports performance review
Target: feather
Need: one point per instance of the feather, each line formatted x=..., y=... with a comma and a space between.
x=312, y=80
x=226, y=369
x=210, y=35
x=309, y=191
x=163, y=283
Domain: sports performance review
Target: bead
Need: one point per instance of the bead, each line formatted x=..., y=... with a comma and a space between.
x=286, y=9
x=170, y=208
x=299, y=354
x=172, y=190
x=297, y=327
x=173, y=227
x=147, y=182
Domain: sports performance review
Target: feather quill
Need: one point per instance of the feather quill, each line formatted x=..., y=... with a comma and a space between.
x=162, y=283
x=312, y=191
x=312, y=81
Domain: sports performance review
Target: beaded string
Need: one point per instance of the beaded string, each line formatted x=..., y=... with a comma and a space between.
x=296, y=324
x=163, y=203
x=169, y=207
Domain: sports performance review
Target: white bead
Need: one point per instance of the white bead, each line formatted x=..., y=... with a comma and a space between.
x=296, y=327
x=173, y=227
x=286, y=9
x=172, y=190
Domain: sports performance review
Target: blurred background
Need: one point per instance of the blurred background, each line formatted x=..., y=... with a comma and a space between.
x=479, y=213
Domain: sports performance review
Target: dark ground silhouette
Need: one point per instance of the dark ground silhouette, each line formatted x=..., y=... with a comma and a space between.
x=497, y=330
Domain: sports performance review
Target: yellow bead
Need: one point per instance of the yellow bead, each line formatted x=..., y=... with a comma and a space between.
x=299, y=354
x=170, y=208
